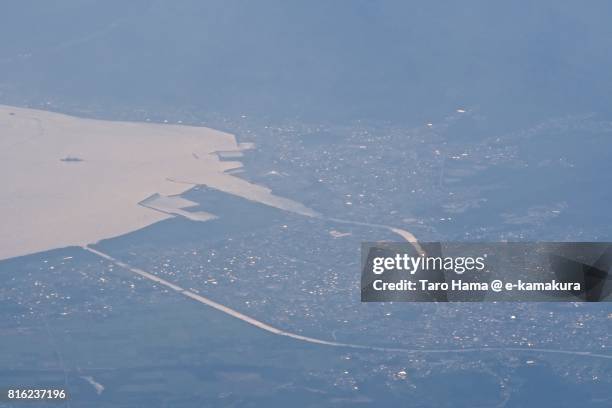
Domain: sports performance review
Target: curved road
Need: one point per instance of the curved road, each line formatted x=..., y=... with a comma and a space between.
x=271, y=329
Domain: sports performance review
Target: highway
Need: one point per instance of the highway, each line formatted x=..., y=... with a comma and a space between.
x=279, y=332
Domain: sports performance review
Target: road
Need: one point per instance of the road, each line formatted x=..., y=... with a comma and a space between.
x=279, y=332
